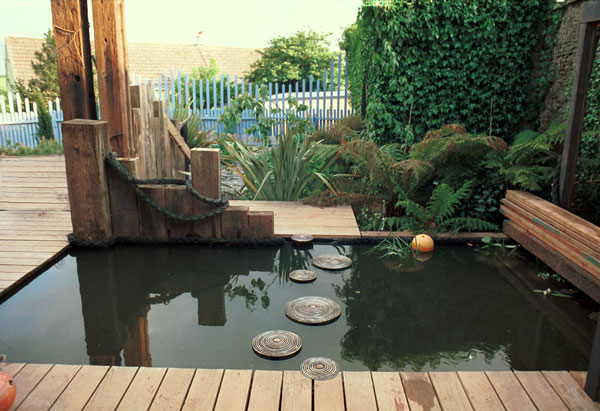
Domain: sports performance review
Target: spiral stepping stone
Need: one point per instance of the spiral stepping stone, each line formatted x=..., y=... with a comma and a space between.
x=302, y=238
x=276, y=344
x=332, y=262
x=313, y=310
x=319, y=368
x=303, y=276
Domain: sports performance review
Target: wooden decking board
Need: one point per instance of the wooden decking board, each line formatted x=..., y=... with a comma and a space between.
x=265, y=393
x=480, y=392
x=389, y=391
x=74, y=387
x=510, y=391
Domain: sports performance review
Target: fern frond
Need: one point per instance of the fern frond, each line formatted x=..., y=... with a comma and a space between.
x=444, y=200
x=468, y=224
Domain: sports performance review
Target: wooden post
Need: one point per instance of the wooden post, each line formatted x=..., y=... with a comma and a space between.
x=588, y=38
x=234, y=222
x=113, y=75
x=179, y=201
x=72, y=40
x=85, y=145
x=141, y=99
x=592, y=381
x=159, y=135
x=206, y=179
x=261, y=224
x=123, y=201
x=153, y=225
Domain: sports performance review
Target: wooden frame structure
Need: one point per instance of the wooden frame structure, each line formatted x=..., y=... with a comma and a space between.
x=588, y=40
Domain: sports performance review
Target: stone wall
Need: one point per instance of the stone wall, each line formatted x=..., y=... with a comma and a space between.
x=556, y=104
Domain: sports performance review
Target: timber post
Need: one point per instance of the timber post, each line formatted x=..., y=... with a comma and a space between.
x=86, y=145
x=72, y=40
x=206, y=179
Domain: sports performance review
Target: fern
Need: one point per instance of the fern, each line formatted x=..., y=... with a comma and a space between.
x=444, y=200
x=467, y=224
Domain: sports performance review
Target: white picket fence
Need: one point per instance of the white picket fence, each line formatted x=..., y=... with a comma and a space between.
x=19, y=120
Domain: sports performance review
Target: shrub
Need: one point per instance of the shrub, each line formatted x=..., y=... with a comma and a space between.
x=45, y=129
x=44, y=147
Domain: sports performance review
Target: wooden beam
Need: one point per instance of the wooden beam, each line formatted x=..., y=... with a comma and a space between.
x=85, y=144
x=586, y=51
x=592, y=381
x=72, y=40
x=113, y=75
x=178, y=140
x=206, y=179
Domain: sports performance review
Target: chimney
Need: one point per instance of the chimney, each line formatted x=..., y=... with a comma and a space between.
x=198, y=42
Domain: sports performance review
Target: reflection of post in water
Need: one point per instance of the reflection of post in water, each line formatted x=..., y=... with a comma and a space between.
x=211, y=306
x=137, y=345
x=104, y=333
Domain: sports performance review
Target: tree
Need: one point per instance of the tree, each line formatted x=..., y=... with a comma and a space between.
x=45, y=130
x=46, y=70
x=291, y=59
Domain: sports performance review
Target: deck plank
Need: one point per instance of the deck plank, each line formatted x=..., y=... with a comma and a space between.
x=296, y=392
x=81, y=388
x=27, y=379
x=233, y=394
x=480, y=392
x=266, y=391
x=540, y=392
x=203, y=391
x=569, y=391
x=419, y=391
x=142, y=389
x=389, y=391
x=172, y=391
x=579, y=377
x=110, y=391
x=49, y=388
x=359, y=391
x=449, y=391
x=510, y=391
x=329, y=395
x=12, y=369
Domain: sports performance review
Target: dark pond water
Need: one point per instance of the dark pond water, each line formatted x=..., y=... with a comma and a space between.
x=190, y=306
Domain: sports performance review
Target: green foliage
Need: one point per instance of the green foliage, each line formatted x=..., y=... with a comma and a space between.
x=439, y=214
x=281, y=172
x=343, y=130
x=530, y=162
x=45, y=129
x=46, y=71
x=193, y=121
x=290, y=59
x=203, y=73
x=452, y=61
x=44, y=147
x=352, y=43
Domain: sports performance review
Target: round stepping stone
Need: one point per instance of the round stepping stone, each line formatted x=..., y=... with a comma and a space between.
x=332, y=262
x=302, y=238
x=276, y=344
x=313, y=310
x=319, y=368
x=303, y=276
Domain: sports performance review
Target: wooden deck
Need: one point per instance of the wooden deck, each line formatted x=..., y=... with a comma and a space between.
x=34, y=216
x=76, y=387
x=292, y=218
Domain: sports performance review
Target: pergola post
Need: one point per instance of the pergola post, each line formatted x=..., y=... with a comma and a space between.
x=113, y=74
x=588, y=39
x=72, y=41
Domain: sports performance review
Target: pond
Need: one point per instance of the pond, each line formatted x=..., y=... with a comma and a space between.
x=198, y=306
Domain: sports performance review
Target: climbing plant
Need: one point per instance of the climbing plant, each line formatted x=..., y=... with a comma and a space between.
x=448, y=61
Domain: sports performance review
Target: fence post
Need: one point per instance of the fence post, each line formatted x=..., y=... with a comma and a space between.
x=85, y=145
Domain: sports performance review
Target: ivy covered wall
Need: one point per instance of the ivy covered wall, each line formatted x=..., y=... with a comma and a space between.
x=440, y=62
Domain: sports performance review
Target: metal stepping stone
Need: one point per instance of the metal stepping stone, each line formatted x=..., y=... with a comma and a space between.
x=276, y=344
x=302, y=238
x=319, y=368
x=303, y=276
x=332, y=262
x=313, y=310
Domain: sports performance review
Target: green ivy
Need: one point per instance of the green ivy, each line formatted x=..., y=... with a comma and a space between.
x=451, y=61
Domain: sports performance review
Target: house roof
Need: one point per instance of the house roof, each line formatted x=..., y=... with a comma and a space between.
x=146, y=59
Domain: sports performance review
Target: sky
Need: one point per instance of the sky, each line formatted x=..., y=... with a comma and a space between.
x=234, y=23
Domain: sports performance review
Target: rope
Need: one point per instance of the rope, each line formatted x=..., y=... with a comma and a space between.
x=73, y=34
x=260, y=242
x=221, y=203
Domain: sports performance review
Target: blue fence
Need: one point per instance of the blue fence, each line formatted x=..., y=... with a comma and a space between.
x=326, y=98
x=19, y=120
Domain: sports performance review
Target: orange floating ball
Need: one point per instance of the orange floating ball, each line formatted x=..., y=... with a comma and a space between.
x=8, y=391
x=422, y=243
